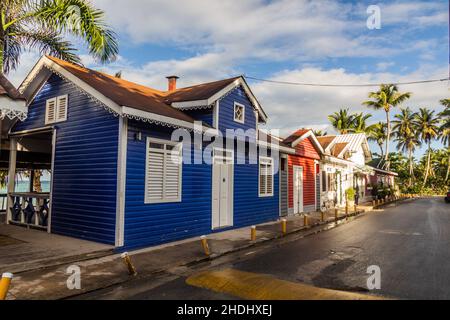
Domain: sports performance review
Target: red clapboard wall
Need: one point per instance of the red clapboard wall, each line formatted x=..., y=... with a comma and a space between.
x=305, y=155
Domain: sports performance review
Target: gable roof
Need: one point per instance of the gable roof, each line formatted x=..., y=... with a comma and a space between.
x=297, y=134
x=325, y=141
x=123, y=92
x=7, y=89
x=270, y=139
x=198, y=92
x=130, y=99
x=355, y=141
x=338, y=148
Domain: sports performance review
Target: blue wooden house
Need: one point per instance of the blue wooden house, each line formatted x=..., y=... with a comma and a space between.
x=118, y=175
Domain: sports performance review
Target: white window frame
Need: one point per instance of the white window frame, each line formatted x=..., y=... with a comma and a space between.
x=180, y=171
x=57, y=106
x=236, y=104
x=259, y=177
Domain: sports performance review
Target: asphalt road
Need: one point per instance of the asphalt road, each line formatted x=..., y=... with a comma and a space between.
x=410, y=243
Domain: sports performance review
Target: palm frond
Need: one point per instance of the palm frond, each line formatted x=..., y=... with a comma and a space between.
x=80, y=18
x=48, y=42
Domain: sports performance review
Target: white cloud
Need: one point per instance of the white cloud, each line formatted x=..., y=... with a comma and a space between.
x=293, y=107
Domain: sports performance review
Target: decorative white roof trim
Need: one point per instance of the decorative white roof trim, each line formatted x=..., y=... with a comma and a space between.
x=79, y=85
x=309, y=134
x=150, y=117
x=194, y=107
x=12, y=108
x=191, y=104
x=221, y=94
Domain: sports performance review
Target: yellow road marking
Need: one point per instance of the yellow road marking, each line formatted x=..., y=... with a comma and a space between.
x=255, y=286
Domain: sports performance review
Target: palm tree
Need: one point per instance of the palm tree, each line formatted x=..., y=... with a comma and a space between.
x=359, y=124
x=342, y=121
x=427, y=128
x=406, y=137
x=377, y=134
x=445, y=131
x=319, y=133
x=41, y=25
x=386, y=98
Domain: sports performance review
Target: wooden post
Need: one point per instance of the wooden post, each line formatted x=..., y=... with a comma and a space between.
x=322, y=218
x=305, y=220
x=336, y=215
x=11, y=177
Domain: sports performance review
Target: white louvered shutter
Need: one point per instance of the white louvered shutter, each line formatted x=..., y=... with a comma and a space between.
x=265, y=177
x=163, y=176
x=50, y=111
x=61, y=114
x=155, y=176
x=172, y=175
x=269, y=177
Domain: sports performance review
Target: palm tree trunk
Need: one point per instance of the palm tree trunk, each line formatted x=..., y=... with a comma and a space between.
x=411, y=169
x=427, y=170
x=448, y=162
x=388, y=138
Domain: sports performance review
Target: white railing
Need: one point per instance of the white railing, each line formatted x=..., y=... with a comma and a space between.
x=29, y=209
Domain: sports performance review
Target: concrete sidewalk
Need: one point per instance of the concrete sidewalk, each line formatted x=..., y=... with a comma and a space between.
x=50, y=282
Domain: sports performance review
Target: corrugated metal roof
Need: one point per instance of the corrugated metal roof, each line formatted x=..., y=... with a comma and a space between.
x=353, y=140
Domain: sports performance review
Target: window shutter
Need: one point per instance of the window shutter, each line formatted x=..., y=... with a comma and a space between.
x=269, y=177
x=155, y=176
x=62, y=108
x=50, y=111
x=265, y=177
x=163, y=176
x=172, y=175
x=262, y=179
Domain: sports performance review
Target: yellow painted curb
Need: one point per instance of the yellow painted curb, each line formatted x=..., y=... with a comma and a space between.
x=254, y=286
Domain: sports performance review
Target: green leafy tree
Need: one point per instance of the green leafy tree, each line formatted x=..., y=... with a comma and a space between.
x=404, y=128
x=359, y=124
x=428, y=129
x=386, y=98
x=43, y=25
x=377, y=134
x=342, y=121
x=445, y=132
x=319, y=133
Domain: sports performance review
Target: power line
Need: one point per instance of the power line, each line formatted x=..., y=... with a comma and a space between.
x=343, y=85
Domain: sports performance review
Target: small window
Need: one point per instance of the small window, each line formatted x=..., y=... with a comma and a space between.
x=56, y=109
x=163, y=171
x=239, y=113
x=265, y=177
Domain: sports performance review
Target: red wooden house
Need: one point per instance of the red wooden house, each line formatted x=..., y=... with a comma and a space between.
x=303, y=183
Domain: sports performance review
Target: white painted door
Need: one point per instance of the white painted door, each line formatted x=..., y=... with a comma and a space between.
x=298, y=189
x=222, y=190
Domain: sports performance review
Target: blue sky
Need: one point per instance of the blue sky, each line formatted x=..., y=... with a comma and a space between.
x=303, y=41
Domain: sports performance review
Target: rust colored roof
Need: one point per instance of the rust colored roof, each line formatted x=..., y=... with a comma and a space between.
x=198, y=92
x=7, y=89
x=271, y=139
x=297, y=134
x=337, y=148
x=325, y=141
x=123, y=92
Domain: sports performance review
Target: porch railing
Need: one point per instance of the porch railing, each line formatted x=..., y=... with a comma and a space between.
x=3, y=197
x=30, y=209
